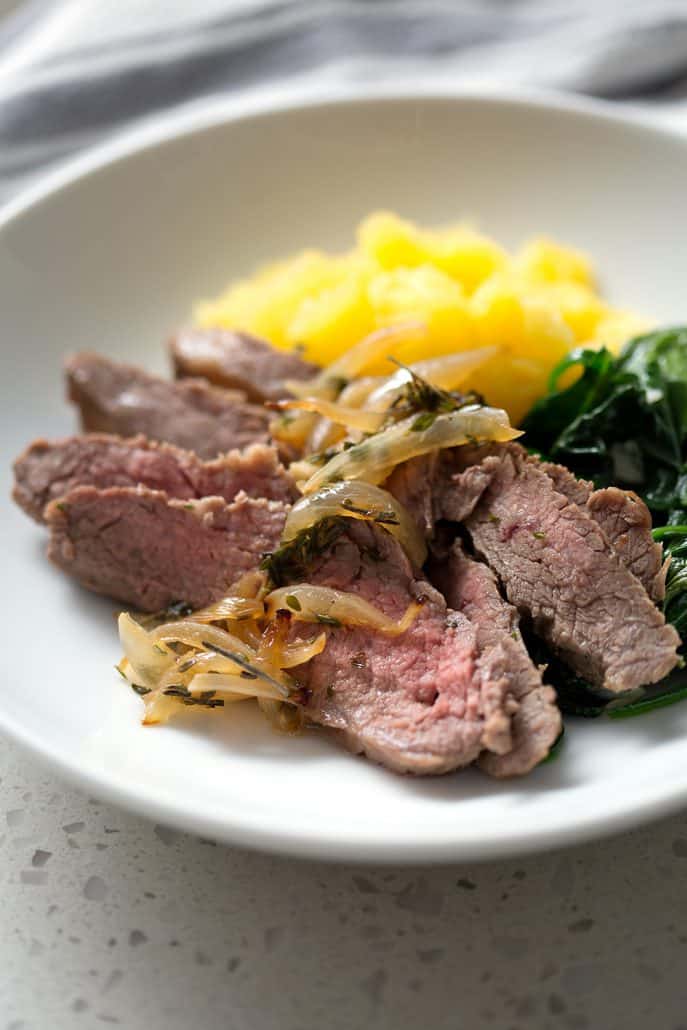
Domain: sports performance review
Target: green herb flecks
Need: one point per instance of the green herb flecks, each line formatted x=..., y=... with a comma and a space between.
x=328, y=620
x=254, y=672
x=291, y=562
x=419, y=396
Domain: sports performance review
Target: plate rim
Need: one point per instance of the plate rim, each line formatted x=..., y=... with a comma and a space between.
x=656, y=801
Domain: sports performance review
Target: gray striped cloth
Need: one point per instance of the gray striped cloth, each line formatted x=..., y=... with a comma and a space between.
x=76, y=71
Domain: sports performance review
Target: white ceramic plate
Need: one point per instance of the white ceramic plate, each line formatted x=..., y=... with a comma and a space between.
x=111, y=252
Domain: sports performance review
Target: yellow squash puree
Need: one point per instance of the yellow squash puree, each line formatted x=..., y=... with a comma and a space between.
x=534, y=304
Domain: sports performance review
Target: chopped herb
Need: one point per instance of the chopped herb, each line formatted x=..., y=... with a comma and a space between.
x=160, y=650
x=293, y=602
x=293, y=560
x=246, y=666
x=176, y=690
x=189, y=507
x=140, y=690
x=328, y=620
x=61, y=506
x=337, y=383
x=539, y=535
x=359, y=660
x=322, y=457
x=188, y=664
x=384, y=518
x=420, y=396
x=515, y=635
x=494, y=518
x=424, y=421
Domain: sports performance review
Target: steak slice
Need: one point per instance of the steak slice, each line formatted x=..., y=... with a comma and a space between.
x=448, y=488
x=145, y=550
x=47, y=470
x=425, y=702
x=470, y=587
x=625, y=521
x=557, y=568
x=431, y=488
x=238, y=360
x=124, y=400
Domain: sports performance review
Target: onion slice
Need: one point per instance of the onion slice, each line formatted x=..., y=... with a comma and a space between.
x=233, y=685
x=358, y=500
x=204, y=637
x=373, y=348
x=233, y=608
x=300, y=653
x=373, y=459
x=335, y=608
x=353, y=418
x=445, y=373
x=148, y=658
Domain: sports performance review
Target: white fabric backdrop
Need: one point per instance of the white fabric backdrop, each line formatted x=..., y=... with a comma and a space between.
x=74, y=71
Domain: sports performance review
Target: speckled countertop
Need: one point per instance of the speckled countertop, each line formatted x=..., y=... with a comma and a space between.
x=108, y=919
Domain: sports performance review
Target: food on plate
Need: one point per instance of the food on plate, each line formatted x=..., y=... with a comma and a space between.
x=149, y=550
x=470, y=587
x=534, y=304
x=121, y=399
x=440, y=696
x=358, y=534
x=237, y=361
x=49, y=470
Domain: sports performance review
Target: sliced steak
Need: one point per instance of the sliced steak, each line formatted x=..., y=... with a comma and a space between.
x=145, y=550
x=557, y=568
x=238, y=360
x=449, y=487
x=437, y=486
x=470, y=587
x=425, y=702
x=625, y=521
x=124, y=400
x=47, y=470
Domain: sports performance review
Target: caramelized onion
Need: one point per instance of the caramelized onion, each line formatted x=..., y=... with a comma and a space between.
x=331, y=607
x=353, y=418
x=374, y=459
x=300, y=653
x=358, y=500
x=233, y=608
x=373, y=348
x=446, y=373
x=233, y=685
x=147, y=658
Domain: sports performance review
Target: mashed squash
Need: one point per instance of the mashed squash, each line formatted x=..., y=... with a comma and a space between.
x=466, y=289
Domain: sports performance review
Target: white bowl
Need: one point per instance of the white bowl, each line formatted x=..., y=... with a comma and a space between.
x=110, y=253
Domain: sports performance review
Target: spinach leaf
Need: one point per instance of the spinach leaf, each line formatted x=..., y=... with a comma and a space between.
x=674, y=540
x=623, y=421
